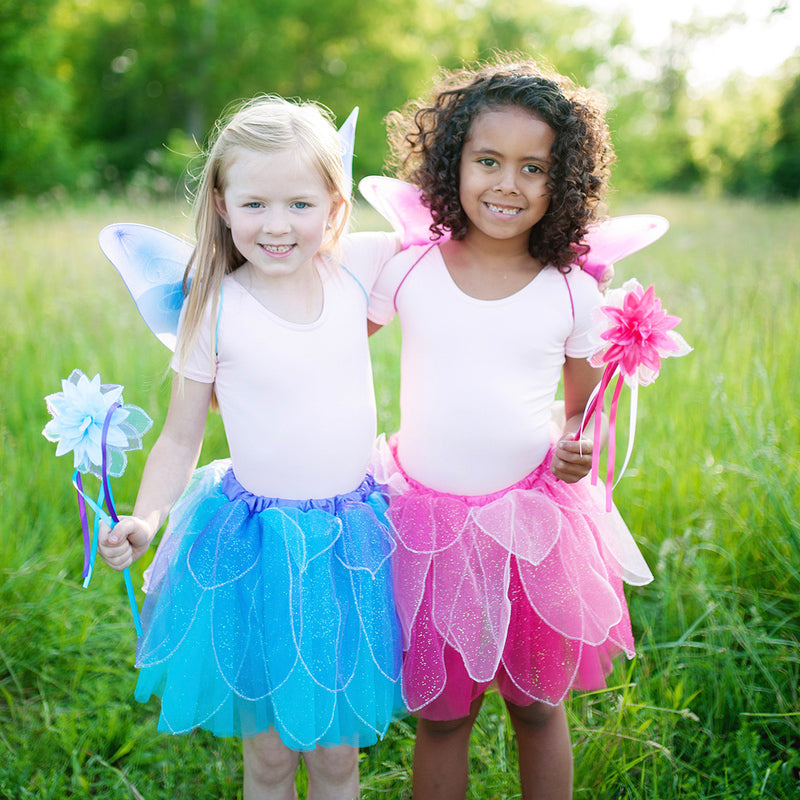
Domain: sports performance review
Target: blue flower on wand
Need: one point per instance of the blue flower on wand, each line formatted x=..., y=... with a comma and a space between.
x=79, y=414
x=91, y=421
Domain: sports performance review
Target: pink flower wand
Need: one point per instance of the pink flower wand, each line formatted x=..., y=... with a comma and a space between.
x=638, y=333
x=90, y=421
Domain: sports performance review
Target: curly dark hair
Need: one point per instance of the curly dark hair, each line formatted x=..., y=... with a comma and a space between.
x=427, y=136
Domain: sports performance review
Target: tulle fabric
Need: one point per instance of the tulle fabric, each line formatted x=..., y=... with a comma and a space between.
x=523, y=588
x=271, y=614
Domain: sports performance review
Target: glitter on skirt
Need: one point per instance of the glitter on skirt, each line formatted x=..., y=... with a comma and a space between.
x=273, y=614
x=522, y=588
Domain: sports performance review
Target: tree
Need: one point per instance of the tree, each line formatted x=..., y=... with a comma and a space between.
x=145, y=71
x=147, y=74
x=786, y=170
x=36, y=150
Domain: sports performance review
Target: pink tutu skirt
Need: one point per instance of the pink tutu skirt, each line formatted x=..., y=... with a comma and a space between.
x=522, y=588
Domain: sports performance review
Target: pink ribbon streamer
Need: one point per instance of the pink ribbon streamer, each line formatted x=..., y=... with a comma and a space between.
x=595, y=408
x=639, y=336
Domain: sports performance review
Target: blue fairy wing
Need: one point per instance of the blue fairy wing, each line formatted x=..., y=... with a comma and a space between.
x=151, y=262
x=400, y=204
x=347, y=138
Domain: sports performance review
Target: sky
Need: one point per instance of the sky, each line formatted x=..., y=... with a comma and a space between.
x=757, y=47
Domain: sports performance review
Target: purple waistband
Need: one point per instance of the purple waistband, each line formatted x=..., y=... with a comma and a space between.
x=256, y=503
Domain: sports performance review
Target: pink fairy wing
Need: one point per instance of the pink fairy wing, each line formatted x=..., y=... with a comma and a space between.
x=615, y=238
x=400, y=204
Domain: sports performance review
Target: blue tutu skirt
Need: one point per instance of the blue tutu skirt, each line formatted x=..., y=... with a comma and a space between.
x=266, y=614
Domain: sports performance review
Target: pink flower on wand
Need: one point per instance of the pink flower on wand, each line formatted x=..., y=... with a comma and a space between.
x=639, y=333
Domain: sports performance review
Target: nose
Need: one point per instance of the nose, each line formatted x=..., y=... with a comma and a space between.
x=275, y=221
x=507, y=181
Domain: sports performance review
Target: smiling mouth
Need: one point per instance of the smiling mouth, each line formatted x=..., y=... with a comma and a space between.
x=277, y=249
x=504, y=210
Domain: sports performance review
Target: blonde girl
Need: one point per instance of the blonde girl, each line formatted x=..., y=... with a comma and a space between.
x=269, y=611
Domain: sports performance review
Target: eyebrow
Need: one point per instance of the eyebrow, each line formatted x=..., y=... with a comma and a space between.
x=488, y=151
x=253, y=196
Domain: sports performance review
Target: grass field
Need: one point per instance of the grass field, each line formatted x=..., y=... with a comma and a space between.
x=709, y=707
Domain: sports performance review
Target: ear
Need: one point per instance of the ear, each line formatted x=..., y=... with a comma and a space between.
x=219, y=206
x=337, y=205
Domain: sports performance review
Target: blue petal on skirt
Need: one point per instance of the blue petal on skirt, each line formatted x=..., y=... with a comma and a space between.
x=273, y=614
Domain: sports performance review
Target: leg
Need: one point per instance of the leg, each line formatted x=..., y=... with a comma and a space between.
x=441, y=756
x=332, y=773
x=269, y=768
x=545, y=751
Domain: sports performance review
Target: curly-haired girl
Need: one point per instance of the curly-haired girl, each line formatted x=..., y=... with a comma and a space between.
x=508, y=569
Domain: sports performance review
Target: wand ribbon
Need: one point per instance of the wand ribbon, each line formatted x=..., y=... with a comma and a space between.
x=637, y=333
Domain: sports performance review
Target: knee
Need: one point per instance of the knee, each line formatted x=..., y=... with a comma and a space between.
x=333, y=766
x=448, y=727
x=533, y=717
x=268, y=762
x=442, y=729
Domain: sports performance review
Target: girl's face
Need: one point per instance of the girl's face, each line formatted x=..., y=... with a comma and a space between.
x=504, y=174
x=278, y=208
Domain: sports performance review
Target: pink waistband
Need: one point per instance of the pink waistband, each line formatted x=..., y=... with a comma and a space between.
x=473, y=499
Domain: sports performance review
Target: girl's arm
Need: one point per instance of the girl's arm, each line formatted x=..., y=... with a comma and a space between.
x=166, y=474
x=572, y=460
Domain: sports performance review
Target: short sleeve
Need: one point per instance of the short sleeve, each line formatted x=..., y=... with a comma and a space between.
x=200, y=364
x=365, y=254
x=584, y=338
x=382, y=298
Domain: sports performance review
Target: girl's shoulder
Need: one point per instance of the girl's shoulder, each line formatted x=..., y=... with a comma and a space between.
x=369, y=247
x=577, y=277
x=416, y=252
x=584, y=294
x=574, y=276
x=576, y=280
x=402, y=264
x=364, y=255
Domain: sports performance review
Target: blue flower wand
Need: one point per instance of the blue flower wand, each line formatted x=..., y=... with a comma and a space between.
x=91, y=421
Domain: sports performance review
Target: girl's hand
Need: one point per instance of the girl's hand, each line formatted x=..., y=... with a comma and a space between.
x=127, y=541
x=571, y=460
x=166, y=474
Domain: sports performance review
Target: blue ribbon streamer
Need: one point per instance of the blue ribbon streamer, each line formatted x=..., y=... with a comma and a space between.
x=110, y=518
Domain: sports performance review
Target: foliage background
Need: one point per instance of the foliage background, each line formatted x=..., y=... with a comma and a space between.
x=96, y=95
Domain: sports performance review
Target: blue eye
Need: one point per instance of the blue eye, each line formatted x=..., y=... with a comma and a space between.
x=254, y=204
x=301, y=205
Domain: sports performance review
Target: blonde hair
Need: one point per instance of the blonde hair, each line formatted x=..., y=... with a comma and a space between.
x=264, y=124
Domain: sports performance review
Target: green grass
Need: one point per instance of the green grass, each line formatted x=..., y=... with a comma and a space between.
x=708, y=709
